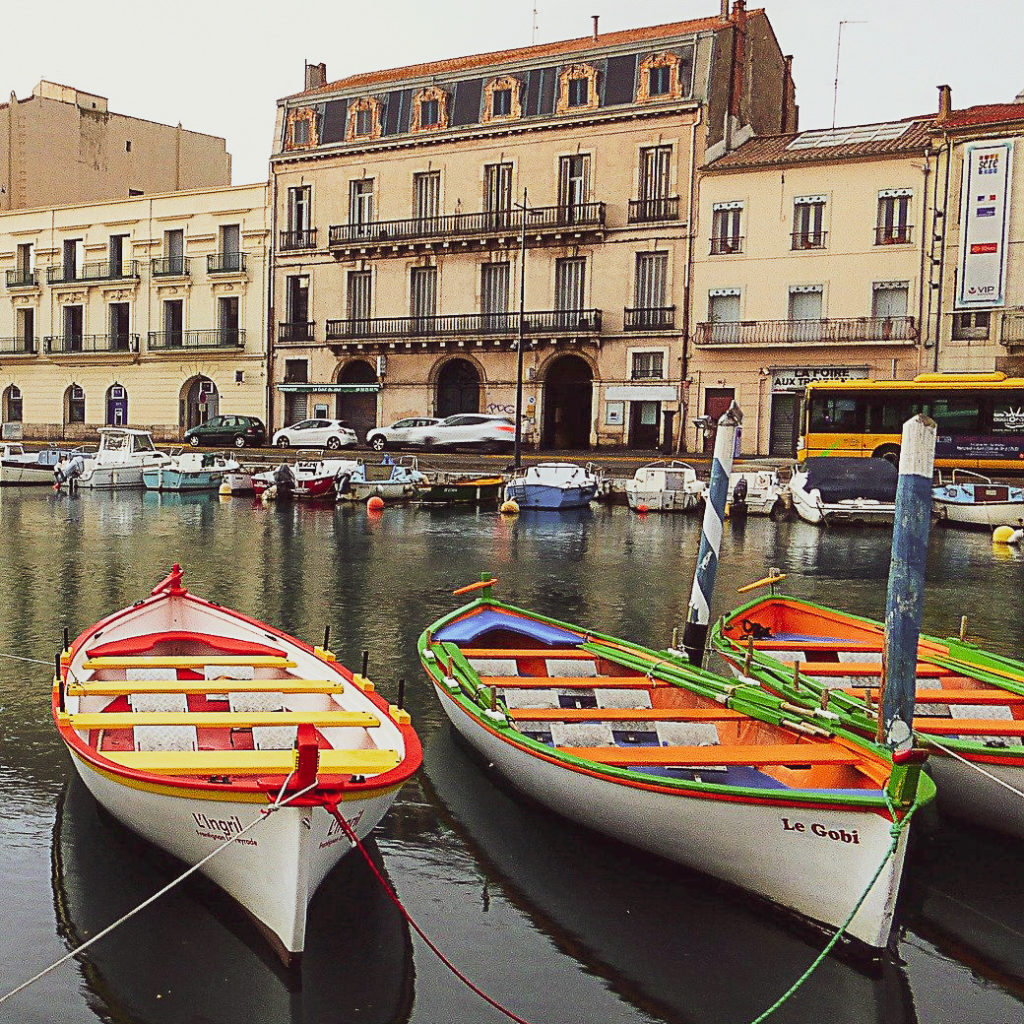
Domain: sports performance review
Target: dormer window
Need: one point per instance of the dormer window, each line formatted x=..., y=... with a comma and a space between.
x=502, y=99
x=364, y=119
x=659, y=78
x=429, y=114
x=659, y=81
x=430, y=109
x=577, y=88
x=502, y=103
x=302, y=131
x=363, y=122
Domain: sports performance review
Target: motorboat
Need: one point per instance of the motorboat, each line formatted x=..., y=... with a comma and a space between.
x=231, y=746
x=390, y=480
x=969, y=704
x=643, y=747
x=756, y=492
x=552, y=485
x=451, y=487
x=665, y=487
x=189, y=471
x=309, y=478
x=833, y=489
x=971, y=499
x=19, y=467
x=118, y=464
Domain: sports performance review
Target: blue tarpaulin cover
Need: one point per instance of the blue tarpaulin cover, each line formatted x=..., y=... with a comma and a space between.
x=483, y=621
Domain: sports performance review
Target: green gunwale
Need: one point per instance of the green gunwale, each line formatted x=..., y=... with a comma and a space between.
x=474, y=698
x=962, y=654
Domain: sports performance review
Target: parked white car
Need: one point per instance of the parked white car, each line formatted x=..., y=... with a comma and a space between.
x=466, y=430
x=396, y=435
x=333, y=434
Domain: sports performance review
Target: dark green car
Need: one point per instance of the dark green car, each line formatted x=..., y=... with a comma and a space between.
x=240, y=431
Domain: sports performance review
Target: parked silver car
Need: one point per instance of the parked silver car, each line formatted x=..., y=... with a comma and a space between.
x=396, y=435
x=467, y=430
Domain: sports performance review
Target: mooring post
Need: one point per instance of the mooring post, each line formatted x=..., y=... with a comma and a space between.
x=905, y=599
x=698, y=615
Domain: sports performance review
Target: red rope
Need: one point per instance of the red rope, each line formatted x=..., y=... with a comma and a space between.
x=393, y=896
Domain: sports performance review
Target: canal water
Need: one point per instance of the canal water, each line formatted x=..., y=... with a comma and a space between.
x=553, y=922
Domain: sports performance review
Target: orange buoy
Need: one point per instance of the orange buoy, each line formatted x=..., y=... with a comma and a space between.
x=375, y=503
x=642, y=509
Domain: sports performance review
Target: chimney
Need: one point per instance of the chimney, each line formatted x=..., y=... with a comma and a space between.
x=595, y=17
x=316, y=75
x=724, y=14
x=739, y=13
x=945, y=102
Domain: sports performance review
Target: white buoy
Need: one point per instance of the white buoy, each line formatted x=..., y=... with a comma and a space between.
x=509, y=508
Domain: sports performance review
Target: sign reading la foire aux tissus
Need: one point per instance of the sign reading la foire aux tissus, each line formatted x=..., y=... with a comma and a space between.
x=793, y=378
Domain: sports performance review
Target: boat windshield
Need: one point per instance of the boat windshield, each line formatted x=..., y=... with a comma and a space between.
x=142, y=443
x=114, y=442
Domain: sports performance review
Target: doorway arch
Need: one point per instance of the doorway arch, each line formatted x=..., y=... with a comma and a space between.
x=199, y=400
x=457, y=388
x=568, y=403
x=12, y=405
x=358, y=409
x=116, y=405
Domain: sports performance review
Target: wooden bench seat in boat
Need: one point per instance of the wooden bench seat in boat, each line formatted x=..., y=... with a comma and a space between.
x=223, y=719
x=925, y=669
x=949, y=696
x=756, y=754
x=116, y=687
x=187, y=661
x=571, y=682
x=626, y=714
x=253, y=762
x=969, y=726
x=814, y=644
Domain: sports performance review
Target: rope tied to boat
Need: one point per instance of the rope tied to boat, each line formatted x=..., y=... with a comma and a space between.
x=265, y=813
x=332, y=808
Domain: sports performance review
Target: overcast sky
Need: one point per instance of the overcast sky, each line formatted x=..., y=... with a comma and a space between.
x=219, y=67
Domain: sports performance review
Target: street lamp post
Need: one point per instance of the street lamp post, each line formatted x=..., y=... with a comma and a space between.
x=519, y=343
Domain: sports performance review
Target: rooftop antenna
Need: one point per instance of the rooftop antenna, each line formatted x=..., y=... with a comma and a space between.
x=534, y=36
x=839, y=43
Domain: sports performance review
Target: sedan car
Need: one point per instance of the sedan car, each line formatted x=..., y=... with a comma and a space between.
x=239, y=431
x=396, y=435
x=467, y=430
x=333, y=434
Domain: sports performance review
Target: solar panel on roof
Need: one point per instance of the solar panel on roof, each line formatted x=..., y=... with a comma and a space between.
x=824, y=137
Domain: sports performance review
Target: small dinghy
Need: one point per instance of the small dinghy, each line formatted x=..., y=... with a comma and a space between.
x=451, y=487
x=643, y=747
x=207, y=732
x=756, y=492
x=974, y=500
x=834, y=489
x=968, y=700
x=665, y=487
x=552, y=486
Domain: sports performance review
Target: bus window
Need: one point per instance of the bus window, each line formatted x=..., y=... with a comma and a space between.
x=955, y=415
x=835, y=414
x=888, y=412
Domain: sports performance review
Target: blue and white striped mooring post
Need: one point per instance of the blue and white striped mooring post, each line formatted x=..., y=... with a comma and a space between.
x=905, y=600
x=698, y=615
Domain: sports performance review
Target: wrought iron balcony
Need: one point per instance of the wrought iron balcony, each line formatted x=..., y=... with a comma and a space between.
x=651, y=318
x=102, y=271
x=22, y=278
x=894, y=234
x=304, y=239
x=171, y=266
x=766, y=333
x=1012, y=331
x=66, y=344
x=298, y=330
x=648, y=211
x=456, y=225
x=725, y=245
x=225, y=263
x=188, y=341
x=557, y=321
x=809, y=239
x=19, y=345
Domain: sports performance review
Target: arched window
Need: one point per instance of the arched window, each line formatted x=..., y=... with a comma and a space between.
x=12, y=404
x=74, y=404
x=458, y=388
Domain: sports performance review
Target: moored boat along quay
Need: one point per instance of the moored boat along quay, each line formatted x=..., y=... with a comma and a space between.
x=542, y=914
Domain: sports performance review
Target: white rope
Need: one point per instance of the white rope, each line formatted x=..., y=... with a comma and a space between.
x=264, y=814
x=35, y=661
x=972, y=764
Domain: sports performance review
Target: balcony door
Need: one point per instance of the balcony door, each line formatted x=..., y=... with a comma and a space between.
x=426, y=196
x=573, y=187
x=119, y=336
x=498, y=194
x=72, y=325
x=423, y=298
x=655, y=175
x=174, y=322
x=570, y=289
x=228, y=321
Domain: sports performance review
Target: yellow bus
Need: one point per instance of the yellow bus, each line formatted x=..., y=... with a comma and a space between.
x=980, y=418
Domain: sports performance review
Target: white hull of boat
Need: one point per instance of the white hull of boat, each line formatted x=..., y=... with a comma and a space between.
x=272, y=871
x=787, y=855
x=663, y=501
x=965, y=793
x=112, y=478
x=239, y=482
x=811, y=509
x=13, y=474
x=989, y=513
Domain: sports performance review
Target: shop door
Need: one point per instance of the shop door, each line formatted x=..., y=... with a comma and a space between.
x=716, y=404
x=785, y=425
x=644, y=420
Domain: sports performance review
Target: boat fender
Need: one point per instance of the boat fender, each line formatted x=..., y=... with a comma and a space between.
x=495, y=716
x=307, y=756
x=451, y=683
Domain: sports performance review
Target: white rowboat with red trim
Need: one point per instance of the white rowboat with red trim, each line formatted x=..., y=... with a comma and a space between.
x=210, y=733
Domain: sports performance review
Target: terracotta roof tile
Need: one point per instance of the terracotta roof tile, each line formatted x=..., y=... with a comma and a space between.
x=773, y=150
x=986, y=113
x=481, y=60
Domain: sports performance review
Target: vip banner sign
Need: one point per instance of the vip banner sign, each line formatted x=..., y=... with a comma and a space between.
x=984, y=225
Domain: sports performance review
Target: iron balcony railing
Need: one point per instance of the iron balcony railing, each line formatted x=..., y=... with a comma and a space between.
x=102, y=271
x=171, y=266
x=1012, y=329
x=19, y=345
x=304, y=239
x=225, y=263
x=800, y=332
x=725, y=245
x=646, y=211
x=22, y=278
x=539, y=218
x=651, y=318
x=68, y=343
x=894, y=234
x=809, y=239
x=297, y=330
x=577, y=321
x=186, y=341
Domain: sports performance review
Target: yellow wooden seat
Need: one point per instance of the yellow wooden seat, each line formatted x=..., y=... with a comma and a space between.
x=253, y=762
x=117, y=687
x=223, y=719
x=187, y=661
x=768, y=754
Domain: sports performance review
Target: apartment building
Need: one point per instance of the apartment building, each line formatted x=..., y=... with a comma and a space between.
x=418, y=209
x=63, y=145
x=149, y=311
x=809, y=259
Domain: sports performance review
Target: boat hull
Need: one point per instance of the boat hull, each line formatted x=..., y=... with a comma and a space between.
x=542, y=496
x=784, y=853
x=24, y=474
x=466, y=492
x=982, y=514
x=662, y=501
x=161, y=479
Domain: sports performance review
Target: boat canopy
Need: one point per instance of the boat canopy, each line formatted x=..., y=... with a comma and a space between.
x=842, y=478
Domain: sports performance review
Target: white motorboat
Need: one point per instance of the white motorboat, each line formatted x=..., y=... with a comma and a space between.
x=552, y=485
x=758, y=492
x=974, y=500
x=665, y=487
x=123, y=455
x=390, y=480
x=19, y=467
x=189, y=471
x=831, y=489
x=307, y=479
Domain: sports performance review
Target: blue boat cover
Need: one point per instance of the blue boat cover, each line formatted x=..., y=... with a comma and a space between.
x=483, y=621
x=841, y=478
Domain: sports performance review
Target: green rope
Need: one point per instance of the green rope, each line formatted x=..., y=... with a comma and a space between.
x=895, y=831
